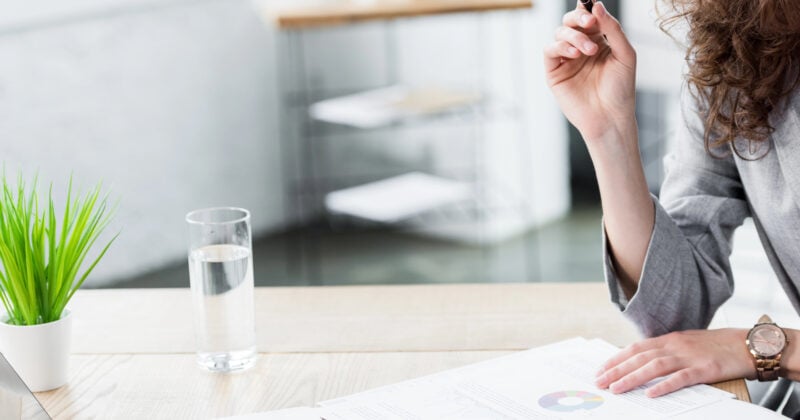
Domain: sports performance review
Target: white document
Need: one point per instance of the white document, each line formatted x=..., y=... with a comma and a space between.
x=297, y=413
x=551, y=382
x=730, y=409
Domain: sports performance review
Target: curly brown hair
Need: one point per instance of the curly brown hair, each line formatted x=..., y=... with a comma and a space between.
x=743, y=63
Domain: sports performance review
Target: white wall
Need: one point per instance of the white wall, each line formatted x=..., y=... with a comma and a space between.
x=172, y=104
x=661, y=61
x=175, y=105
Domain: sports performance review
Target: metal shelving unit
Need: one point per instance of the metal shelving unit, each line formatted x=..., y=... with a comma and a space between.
x=304, y=143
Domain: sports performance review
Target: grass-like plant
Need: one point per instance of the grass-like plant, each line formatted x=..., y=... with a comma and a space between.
x=40, y=256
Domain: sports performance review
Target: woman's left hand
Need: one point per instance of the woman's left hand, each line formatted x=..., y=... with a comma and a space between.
x=686, y=357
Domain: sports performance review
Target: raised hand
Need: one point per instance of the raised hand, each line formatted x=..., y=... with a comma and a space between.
x=591, y=69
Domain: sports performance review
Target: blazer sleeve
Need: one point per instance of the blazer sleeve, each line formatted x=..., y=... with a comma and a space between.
x=686, y=274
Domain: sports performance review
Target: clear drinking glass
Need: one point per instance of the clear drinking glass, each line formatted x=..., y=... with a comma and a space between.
x=221, y=277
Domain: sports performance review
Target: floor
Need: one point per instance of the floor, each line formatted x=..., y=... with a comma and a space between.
x=564, y=251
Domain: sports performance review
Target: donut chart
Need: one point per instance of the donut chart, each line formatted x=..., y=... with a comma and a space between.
x=583, y=400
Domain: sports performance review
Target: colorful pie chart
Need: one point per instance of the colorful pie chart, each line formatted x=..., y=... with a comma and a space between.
x=566, y=401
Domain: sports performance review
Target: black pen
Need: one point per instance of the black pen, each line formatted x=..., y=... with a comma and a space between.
x=587, y=4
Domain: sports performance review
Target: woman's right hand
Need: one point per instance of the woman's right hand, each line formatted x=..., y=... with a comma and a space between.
x=591, y=69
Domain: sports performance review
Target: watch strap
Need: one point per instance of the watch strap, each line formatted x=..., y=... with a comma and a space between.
x=768, y=369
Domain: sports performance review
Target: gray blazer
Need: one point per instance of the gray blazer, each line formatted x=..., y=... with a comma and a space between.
x=687, y=273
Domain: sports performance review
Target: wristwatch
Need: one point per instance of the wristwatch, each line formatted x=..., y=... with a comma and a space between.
x=766, y=342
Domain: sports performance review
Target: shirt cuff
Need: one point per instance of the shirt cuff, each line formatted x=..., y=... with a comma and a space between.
x=642, y=307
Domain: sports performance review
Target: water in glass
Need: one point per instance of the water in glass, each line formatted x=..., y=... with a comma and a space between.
x=222, y=289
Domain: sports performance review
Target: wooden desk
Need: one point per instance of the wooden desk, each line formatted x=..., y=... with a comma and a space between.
x=133, y=350
x=344, y=12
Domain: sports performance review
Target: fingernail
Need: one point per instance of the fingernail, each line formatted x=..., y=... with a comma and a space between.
x=572, y=50
x=588, y=46
x=615, y=387
x=601, y=8
x=584, y=20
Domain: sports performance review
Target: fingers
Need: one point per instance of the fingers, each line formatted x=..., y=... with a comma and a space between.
x=631, y=351
x=680, y=379
x=578, y=39
x=627, y=366
x=556, y=52
x=579, y=18
x=571, y=42
x=652, y=369
x=680, y=375
x=616, y=38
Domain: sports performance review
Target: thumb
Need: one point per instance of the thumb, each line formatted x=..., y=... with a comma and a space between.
x=610, y=27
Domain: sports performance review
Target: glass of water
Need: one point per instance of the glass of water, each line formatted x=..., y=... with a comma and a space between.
x=221, y=277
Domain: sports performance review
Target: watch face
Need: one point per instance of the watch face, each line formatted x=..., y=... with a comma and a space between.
x=766, y=340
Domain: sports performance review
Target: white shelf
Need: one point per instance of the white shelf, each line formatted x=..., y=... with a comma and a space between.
x=435, y=207
x=399, y=198
x=381, y=107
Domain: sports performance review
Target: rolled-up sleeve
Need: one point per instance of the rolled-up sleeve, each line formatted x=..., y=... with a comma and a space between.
x=686, y=274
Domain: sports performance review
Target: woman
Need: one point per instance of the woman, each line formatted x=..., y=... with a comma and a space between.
x=738, y=155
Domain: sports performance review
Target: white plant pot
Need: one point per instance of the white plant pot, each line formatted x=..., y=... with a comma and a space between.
x=39, y=353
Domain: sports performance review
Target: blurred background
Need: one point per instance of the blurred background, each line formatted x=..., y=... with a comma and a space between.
x=374, y=142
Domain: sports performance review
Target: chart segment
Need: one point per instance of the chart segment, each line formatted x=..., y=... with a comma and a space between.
x=566, y=401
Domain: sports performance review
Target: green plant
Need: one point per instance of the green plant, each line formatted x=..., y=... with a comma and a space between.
x=40, y=257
